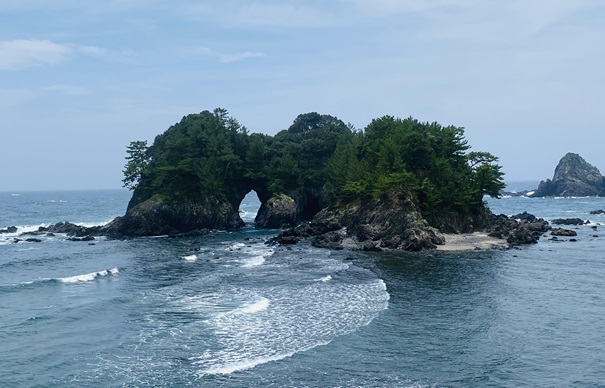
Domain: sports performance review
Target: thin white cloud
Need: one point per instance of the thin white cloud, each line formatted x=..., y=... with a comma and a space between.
x=73, y=90
x=93, y=51
x=22, y=53
x=229, y=58
x=220, y=56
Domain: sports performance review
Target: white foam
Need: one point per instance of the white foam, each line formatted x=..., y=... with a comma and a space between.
x=260, y=305
x=25, y=229
x=529, y=193
x=325, y=279
x=229, y=368
x=236, y=246
x=15, y=195
x=190, y=258
x=254, y=262
x=91, y=224
x=89, y=276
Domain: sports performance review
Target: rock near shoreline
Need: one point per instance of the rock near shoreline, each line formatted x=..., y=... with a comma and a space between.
x=394, y=223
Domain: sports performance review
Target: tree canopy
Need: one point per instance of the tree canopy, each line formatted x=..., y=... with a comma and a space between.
x=210, y=157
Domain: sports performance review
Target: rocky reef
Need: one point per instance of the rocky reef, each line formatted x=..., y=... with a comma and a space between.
x=573, y=177
x=393, y=222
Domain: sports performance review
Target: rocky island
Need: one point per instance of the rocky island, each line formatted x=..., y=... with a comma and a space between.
x=573, y=177
x=398, y=184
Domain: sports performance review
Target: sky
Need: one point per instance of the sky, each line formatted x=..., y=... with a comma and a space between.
x=81, y=79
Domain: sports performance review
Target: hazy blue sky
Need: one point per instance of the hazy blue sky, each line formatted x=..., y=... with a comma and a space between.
x=81, y=79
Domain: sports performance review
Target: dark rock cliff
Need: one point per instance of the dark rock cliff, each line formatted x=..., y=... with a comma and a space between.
x=573, y=177
x=390, y=222
x=154, y=217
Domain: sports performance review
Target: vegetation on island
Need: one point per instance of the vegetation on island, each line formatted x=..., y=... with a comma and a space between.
x=211, y=158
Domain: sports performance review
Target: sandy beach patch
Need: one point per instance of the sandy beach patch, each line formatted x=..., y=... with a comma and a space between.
x=471, y=242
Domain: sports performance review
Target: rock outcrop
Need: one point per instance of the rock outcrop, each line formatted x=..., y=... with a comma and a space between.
x=573, y=177
x=279, y=211
x=390, y=222
x=393, y=223
x=154, y=217
x=519, y=229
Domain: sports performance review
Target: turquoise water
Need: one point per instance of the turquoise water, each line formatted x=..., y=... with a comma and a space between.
x=229, y=310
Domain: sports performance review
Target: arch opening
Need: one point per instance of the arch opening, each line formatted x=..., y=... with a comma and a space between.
x=248, y=207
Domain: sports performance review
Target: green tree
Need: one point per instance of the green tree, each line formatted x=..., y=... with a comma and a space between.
x=487, y=177
x=138, y=160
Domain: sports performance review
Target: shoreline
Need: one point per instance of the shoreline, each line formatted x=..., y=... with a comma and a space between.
x=471, y=242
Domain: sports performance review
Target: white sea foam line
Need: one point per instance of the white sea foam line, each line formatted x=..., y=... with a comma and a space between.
x=91, y=224
x=324, y=279
x=24, y=229
x=298, y=320
x=89, y=276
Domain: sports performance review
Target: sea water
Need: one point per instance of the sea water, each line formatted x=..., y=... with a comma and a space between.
x=228, y=310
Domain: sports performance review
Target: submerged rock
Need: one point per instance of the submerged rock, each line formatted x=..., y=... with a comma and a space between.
x=10, y=229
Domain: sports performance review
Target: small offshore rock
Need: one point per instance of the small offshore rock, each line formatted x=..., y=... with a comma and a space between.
x=563, y=232
x=569, y=221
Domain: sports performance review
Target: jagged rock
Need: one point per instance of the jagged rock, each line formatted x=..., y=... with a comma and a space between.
x=278, y=211
x=573, y=177
x=519, y=229
x=563, y=232
x=68, y=229
x=389, y=222
x=370, y=246
x=521, y=236
x=285, y=240
x=568, y=221
x=35, y=240
x=600, y=211
x=330, y=240
x=525, y=217
x=10, y=229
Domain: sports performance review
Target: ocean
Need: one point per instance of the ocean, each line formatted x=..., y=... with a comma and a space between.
x=228, y=310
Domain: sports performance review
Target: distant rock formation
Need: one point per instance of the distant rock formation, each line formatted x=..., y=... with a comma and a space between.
x=574, y=177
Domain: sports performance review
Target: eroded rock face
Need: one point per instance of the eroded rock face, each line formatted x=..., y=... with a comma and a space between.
x=279, y=211
x=155, y=218
x=573, y=177
x=391, y=222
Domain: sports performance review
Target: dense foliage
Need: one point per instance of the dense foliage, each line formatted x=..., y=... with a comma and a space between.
x=210, y=157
